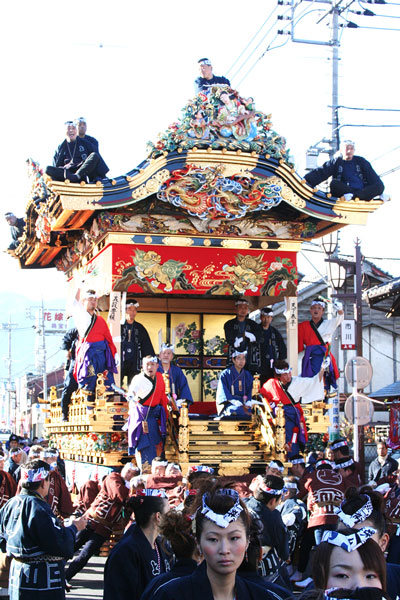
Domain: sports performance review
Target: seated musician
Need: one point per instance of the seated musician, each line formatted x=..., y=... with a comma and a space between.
x=235, y=387
x=178, y=384
x=147, y=414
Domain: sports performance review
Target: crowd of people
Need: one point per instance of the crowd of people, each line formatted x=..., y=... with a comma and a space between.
x=315, y=527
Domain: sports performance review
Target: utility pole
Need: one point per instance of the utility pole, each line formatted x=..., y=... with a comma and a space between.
x=8, y=360
x=44, y=356
x=334, y=146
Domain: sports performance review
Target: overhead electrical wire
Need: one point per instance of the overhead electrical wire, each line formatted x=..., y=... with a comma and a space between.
x=258, y=45
x=252, y=39
x=269, y=48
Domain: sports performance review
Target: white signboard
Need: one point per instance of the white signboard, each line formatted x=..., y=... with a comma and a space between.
x=348, y=334
x=54, y=321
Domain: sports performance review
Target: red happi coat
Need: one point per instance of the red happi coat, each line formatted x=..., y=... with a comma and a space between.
x=274, y=393
x=308, y=337
x=106, y=510
x=8, y=487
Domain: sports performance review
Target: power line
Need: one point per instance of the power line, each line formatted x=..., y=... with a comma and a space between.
x=369, y=109
x=253, y=38
x=280, y=32
x=258, y=45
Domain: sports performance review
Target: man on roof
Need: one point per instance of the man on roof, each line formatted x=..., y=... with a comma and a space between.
x=76, y=159
x=207, y=79
x=81, y=126
x=352, y=176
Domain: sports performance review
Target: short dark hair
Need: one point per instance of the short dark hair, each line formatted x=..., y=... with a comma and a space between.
x=273, y=482
x=35, y=464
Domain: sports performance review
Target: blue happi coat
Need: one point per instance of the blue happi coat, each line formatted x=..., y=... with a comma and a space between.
x=39, y=545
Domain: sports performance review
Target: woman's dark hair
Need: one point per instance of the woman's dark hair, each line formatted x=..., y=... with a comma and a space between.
x=176, y=527
x=371, y=556
x=271, y=481
x=254, y=549
x=31, y=486
x=144, y=507
x=194, y=477
x=220, y=504
x=354, y=500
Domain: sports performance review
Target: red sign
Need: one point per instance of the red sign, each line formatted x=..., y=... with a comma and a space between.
x=196, y=269
x=394, y=426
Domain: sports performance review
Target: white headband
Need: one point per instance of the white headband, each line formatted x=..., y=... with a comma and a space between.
x=48, y=454
x=135, y=304
x=338, y=444
x=265, y=488
x=324, y=461
x=348, y=542
x=87, y=295
x=162, y=463
x=231, y=515
x=359, y=516
x=274, y=465
x=298, y=461
x=345, y=464
x=281, y=371
x=201, y=469
x=152, y=492
x=290, y=486
x=152, y=359
x=268, y=314
x=238, y=353
x=165, y=346
x=318, y=303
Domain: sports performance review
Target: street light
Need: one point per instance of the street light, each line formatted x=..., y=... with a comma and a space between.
x=329, y=243
x=336, y=274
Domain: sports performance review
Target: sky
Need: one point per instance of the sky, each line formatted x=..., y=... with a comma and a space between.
x=129, y=67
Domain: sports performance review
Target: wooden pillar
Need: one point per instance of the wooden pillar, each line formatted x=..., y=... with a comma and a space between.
x=114, y=323
x=291, y=332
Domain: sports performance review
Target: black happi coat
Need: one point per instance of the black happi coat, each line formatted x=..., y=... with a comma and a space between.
x=197, y=587
x=131, y=565
x=182, y=567
x=30, y=532
x=136, y=344
x=237, y=329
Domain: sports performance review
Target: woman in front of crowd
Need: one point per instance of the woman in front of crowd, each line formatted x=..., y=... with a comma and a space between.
x=222, y=525
x=139, y=555
x=368, y=510
x=348, y=559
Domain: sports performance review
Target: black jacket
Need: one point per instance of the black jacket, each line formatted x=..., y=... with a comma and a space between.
x=334, y=168
x=197, y=587
x=131, y=565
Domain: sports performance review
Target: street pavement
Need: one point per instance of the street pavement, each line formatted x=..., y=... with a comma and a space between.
x=88, y=584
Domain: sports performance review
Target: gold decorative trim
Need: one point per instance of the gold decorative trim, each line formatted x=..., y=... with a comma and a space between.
x=151, y=186
x=236, y=244
x=177, y=241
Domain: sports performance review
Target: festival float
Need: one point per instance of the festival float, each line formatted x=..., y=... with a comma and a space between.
x=214, y=212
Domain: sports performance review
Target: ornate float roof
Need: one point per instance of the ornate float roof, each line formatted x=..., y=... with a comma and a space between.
x=219, y=171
